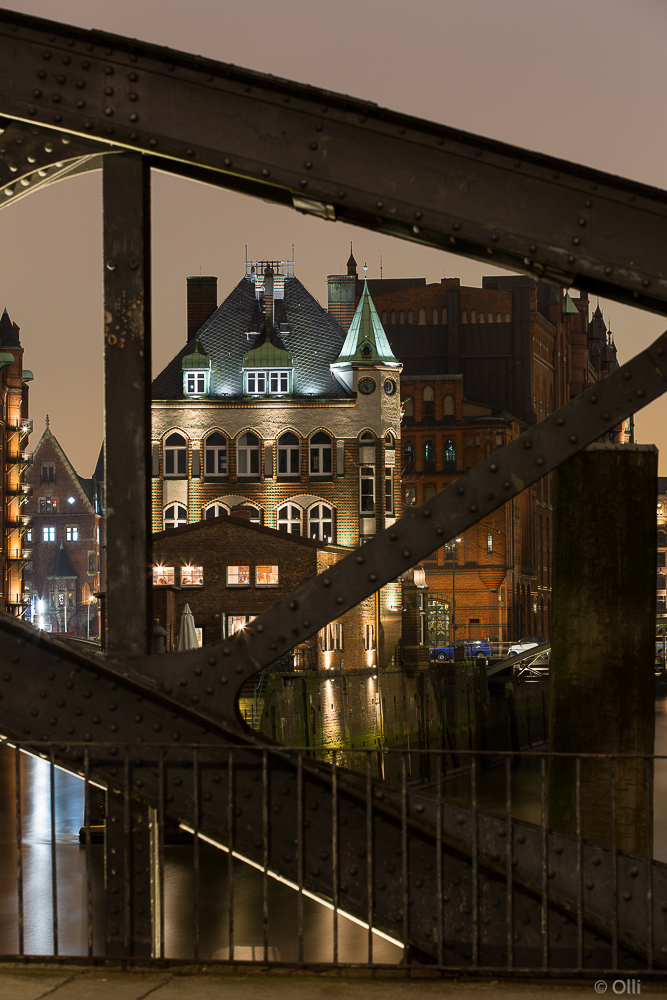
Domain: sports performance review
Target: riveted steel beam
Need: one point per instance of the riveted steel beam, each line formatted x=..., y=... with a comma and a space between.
x=340, y=158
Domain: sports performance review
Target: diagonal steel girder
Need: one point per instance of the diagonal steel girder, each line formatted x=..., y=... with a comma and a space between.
x=334, y=156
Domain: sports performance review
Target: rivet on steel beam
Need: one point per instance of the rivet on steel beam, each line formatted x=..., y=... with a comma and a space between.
x=560, y=421
x=134, y=97
x=494, y=237
x=532, y=247
x=111, y=265
x=527, y=444
x=426, y=512
x=645, y=283
x=326, y=582
x=439, y=531
x=593, y=399
x=227, y=162
x=308, y=164
x=108, y=111
x=293, y=605
x=134, y=264
x=372, y=577
x=340, y=600
x=493, y=467
x=576, y=241
x=473, y=508
x=393, y=535
x=456, y=226
x=539, y=461
x=46, y=55
x=507, y=485
x=460, y=490
x=640, y=393
x=61, y=78
x=359, y=560
x=266, y=172
x=660, y=351
x=223, y=680
x=418, y=215
x=570, y=259
x=36, y=93
x=108, y=91
x=32, y=110
x=406, y=553
x=56, y=98
x=80, y=105
x=190, y=151
x=573, y=438
x=227, y=651
x=341, y=194
x=379, y=204
x=306, y=624
x=25, y=181
x=13, y=168
x=582, y=222
x=9, y=192
x=57, y=118
x=627, y=375
x=88, y=125
x=607, y=270
x=416, y=230
x=108, y=70
x=132, y=77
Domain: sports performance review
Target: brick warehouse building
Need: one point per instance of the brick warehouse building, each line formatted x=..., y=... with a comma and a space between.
x=270, y=404
x=481, y=364
x=66, y=570
x=229, y=570
x=15, y=428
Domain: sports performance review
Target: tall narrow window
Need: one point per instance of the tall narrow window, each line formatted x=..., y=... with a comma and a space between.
x=428, y=402
x=448, y=405
x=489, y=542
x=175, y=515
x=71, y=533
x=450, y=455
x=408, y=407
x=175, y=455
x=48, y=533
x=320, y=522
x=422, y=317
x=215, y=454
x=289, y=455
x=247, y=455
x=320, y=455
x=289, y=519
x=429, y=455
x=409, y=455
x=388, y=490
x=366, y=489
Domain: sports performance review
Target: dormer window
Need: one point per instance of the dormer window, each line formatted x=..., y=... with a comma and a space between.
x=196, y=372
x=274, y=382
x=196, y=383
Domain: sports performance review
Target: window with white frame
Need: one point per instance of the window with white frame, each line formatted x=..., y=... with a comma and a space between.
x=48, y=533
x=255, y=383
x=175, y=455
x=72, y=533
x=366, y=489
x=192, y=576
x=247, y=455
x=164, y=576
x=175, y=515
x=238, y=576
x=275, y=381
x=321, y=462
x=290, y=519
x=214, y=510
x=215, y=455
x=289, y=455
x=196, y=382
x=266, y=576
x=321, y=522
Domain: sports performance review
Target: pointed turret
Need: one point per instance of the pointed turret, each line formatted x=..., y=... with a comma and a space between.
x=9, y=332
x=366, y=343
x=351, y=264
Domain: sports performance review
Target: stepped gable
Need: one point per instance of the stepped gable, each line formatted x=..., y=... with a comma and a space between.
x=313, y=339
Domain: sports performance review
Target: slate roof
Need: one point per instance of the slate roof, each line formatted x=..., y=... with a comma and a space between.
x=62, y=566
x=8, y=335
x=313, y=339
x=366, y=331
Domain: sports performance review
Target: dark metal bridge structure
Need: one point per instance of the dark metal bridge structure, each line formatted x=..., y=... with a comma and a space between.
x=459, y=887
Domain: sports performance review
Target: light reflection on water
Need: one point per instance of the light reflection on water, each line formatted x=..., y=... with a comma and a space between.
x=179, y=877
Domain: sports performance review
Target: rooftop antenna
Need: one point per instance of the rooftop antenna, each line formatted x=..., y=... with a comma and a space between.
x=365, y=270
x=246, y=258
x=292, y=258
x=380, y=267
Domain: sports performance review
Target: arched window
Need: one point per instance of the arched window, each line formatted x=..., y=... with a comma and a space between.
x=661, y=581
x=255, y=512
x=214, y=510
x=175, y=515
x=289, y=519
x=508, y=318
x=422, y=317
x=408, y=407
x=320, y=522
x=389, y=439
x=429, y=455
x=448, y=405
x=464, y=316
x=435, y=316
x=428, y=402
x=401, y=316
x=175, y=455
x=393, y=316
x=409, y=455
x=450, y=455
x=384, y=318
x=443, y=315
x=481, y=318
x=499, y=318
x=321, y=463
x=490, y=317
x=662, y=539
x=289, y=455
x=215, y=455
x=473, y=316
x=411, y=316
x=247, y=455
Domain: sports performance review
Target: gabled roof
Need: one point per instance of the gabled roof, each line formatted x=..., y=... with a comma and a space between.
x=366, y=341
x=76, y=481
x=62, y=568
x=8, y=334
x=267, y=355
x=312, y=337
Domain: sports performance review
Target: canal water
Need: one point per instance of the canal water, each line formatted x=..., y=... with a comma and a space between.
x=178, y=875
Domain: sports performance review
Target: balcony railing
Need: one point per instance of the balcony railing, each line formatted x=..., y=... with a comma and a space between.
x=21, y=458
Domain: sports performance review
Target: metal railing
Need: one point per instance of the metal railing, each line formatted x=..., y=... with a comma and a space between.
x=441, y=871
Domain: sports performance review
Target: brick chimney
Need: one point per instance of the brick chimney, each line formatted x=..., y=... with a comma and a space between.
x=268, y=295
x=202, y=301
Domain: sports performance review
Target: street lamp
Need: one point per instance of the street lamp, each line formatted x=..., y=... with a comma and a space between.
x=91, y=600
x=454, y=542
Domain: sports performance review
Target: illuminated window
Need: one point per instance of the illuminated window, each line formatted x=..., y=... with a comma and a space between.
x=369, y=637
x=192, y=576
x=236, y=623
x=429, y=455
x=289, y=519
x=175, y=515
x=266, y=576
x=175, y=456
x=331, y=637
x=48, y=504
x=320, y=522
x=238, y=576
x=289, y=455
x=489, y=542
x=215, y=455
x=450, y=454
x=410, y=496
x=72, y=533
x=196, y=382
x=321, y=463
x=163, y=576
x=48, y=533
x=274, y=381
x=247, y=455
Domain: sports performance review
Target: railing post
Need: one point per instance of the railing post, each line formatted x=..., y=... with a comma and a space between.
x=131, y=902
x=602, y=652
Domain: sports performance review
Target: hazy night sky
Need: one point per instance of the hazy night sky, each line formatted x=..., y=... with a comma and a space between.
x=579, y=79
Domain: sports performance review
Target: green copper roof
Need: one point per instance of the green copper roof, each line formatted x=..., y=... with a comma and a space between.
x=267, y=355
x=197, y=358
x=366, y=342
x=569, y=306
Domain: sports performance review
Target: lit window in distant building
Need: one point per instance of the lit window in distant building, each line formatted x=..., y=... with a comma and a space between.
x=175, y=515
x=321, y=462
x=196, y=382
x=320, y=522
x=236, y=623
x=409, y=455
x=489, y=542
x=72, y=533
x=28, y=535
x=266, y=576
x=276, y=382
x=247, y=455
x=289, y=519
x=70, y=500
x=215, y=455
x=238, y=576
x=175, y=456
x=48, y=504
x=366, y=489
x=192, y=576
x=369, y=637
x=410, y=496
x=331, y=637
x=48, y=533
x=289, y=455
x=429, y=455
x=163, y=576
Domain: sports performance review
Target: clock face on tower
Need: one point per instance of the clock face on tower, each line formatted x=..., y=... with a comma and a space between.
x=389, y=386
x=366, y=385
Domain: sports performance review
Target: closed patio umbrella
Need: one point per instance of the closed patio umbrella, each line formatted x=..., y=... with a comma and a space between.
x=187, y=637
